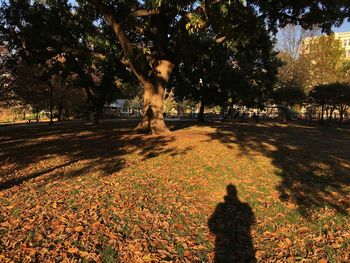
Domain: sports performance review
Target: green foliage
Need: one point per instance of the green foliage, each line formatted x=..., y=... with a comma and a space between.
x=68, y=42
x=169, y=102
x=324, y=60
x=230, y=42
x=288, y=95
x=331, y=94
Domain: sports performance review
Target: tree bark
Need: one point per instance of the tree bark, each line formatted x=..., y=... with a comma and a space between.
x=322, y=112
x=59, y=112
x=341, y=114
x=152, y=121
x=284, y=114
x=37, y=115
x=98, y=114
x=331, y=110
x=154, y=79
x=201, y=113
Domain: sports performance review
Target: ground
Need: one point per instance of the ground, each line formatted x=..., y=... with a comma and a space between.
x=223, y=192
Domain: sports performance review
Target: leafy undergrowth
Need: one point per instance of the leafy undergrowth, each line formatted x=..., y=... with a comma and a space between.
x=81, y=193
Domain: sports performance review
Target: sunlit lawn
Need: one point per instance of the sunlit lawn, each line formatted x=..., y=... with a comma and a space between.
x=99, y=193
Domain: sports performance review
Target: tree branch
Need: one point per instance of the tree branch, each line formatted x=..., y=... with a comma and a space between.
x=123, y=39
x=143, y=12
x=78, y=52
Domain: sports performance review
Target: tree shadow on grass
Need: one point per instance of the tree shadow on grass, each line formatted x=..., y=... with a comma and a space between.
x=74, y=149
x=231, y=223
x=313, y=162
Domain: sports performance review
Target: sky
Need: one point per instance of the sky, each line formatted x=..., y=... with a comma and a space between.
x=344, y=28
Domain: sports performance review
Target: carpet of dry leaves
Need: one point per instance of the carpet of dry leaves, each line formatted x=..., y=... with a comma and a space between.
x=76, y=192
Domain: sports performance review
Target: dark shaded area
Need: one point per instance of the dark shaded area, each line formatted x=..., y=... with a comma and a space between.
x=313, y=162
x=231, y=223
x=18, y=180
x=97, y=147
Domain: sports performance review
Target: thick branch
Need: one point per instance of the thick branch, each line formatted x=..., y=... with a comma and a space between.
x=143, y=12
x=84, y=52
x=123, y=39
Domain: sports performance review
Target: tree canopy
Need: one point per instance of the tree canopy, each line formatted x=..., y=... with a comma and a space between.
x=153, y=36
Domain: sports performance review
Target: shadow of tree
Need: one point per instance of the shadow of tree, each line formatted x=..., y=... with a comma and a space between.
x=313, y=162
x=231, y=223
x=74, y=149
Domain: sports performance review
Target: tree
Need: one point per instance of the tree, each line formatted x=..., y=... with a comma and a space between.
x=286, y=97
x=67, y=98
x=7, y=97
x=147, y=30
x=293, y=73
x=335, y=95
x=324, y=58
x=27, y=88
x=169, y=102
x=201, y=72
x=67, y=43
x=292, y=39
x=290, y=86
x=216, y=74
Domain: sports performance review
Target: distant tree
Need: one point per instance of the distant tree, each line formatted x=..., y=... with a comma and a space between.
x=169, y=101
x=334, y=95
x=218, y=75
x=67, y=98
x=341, y=99
x=29, y=89
x=324, y=60
x=136, y=103
x=291, y=39
x=66, y=42
x=290, y=85
x=293, y=71
x=200, y=74
x=287, y=96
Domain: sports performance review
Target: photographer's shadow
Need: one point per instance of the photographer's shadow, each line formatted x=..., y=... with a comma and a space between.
x=231, y=223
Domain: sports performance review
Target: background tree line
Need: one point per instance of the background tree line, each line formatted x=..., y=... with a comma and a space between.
x=213, y=52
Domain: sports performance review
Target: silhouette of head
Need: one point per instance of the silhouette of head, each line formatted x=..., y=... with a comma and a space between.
x=231, y=192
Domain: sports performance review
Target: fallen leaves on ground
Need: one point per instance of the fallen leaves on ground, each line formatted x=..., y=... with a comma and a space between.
x=101, y=194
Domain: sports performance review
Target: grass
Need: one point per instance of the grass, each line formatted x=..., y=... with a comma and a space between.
x=80, y=192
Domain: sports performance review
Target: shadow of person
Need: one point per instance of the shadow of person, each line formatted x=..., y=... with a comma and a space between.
x=231, y=223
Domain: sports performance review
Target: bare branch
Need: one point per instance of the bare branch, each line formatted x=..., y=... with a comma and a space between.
x=143, y=12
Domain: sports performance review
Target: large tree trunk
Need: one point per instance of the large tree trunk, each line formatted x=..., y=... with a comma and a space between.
x=152, y=121
x=154, y=79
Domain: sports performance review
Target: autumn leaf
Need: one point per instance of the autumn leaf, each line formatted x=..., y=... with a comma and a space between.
x=79, y=228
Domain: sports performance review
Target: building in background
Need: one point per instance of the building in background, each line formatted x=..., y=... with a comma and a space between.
x=344, y=37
